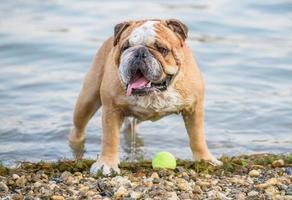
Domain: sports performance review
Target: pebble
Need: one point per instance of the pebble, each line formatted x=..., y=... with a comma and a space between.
x=15, y=176
x=120, y=192
x=65, y=175
x=37, y=184
x=197, y=189
x=270, y=182
x=288, y=170
x=240, y=196
x=154, y=175
x=21, y=181
x=56, y=197
x=3, y=188
x=254, y=173
x=203, y=183
x=253, y=193
x=90, y=193
x=289, y=190
x=271, y=191
x=172, y=196
x=278, y=163
x=17, y=197
x=217, y=195
x=136, y=195
x=183, y=185
x=83, y=190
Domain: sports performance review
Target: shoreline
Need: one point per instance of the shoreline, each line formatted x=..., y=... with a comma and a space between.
x=258, y=176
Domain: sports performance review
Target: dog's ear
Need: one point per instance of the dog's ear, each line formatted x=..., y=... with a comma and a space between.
x=178, y=27
x=119, y=29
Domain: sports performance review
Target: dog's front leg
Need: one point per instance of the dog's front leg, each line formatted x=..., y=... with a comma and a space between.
x=194, y=122
x=109, y=158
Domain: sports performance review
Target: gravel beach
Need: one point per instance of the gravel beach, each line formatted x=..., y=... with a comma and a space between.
x=261, y=176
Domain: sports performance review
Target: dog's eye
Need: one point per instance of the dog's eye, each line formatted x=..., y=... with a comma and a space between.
x=164, y=51
x=125, y=46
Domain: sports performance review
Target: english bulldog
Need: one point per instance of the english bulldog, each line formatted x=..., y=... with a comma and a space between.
x=146, y=71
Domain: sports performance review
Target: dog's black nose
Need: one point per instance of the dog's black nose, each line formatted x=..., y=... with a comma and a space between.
x=141, y=53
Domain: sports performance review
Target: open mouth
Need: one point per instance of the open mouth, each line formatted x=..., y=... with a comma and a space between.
x=140, y=85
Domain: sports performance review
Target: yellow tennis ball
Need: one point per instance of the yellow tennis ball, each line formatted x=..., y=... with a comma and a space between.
x=164, y=160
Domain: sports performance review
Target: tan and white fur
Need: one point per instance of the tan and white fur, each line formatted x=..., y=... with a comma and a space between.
x=108, y=79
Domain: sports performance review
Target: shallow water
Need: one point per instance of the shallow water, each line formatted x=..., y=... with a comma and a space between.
x=243, y=48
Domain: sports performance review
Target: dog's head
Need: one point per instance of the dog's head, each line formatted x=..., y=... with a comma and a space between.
x=149, y=54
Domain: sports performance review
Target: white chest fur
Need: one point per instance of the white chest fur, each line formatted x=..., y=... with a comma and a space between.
x=162, y=103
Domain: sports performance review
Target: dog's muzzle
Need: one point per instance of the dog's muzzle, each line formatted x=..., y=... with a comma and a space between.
x=141, y=72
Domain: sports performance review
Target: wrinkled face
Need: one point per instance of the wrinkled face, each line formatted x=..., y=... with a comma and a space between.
x=149, y=56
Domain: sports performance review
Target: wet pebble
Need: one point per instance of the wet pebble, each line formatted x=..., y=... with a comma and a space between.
x=15, y=176
x=254, y=173
x=289, y=190
x=120, y=192
x=3, y=188
x=288, y=170
x=17, y=197
x=278, y=163
x=56, y=197
x=136, y=195
x=253, y=193
x=20, y=182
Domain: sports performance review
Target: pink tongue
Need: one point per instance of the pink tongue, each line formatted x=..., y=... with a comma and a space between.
x=139, y=81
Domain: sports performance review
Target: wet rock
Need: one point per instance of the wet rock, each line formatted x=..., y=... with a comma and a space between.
x=44, y=176
x=240, y=196
x=121, y=192
x=288, y=170
x=172, y=196
x=56, y=197
x=65, y=175
x=37, y=184
x=46, y=191
x=203, y=183
x=253, y=193
x=136, y=195
x=289, y=190
x=217, y=195
x=29, y=198
x=270, y=182
x=3, y=188
x=20, y=182
x=197, y=189
x=17, y=197
x=148, y=183
x=154, y=175
x=183, y=185
x=15, y=176
x=90, y=193
x=185, y=195
x=271, y=191
x=156, y=181
x=179, y=169
x=278, y=163
x=83, y=190
x=254, y=173
x=120, y=181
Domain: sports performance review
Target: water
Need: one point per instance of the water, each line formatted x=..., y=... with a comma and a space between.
x=244, y=50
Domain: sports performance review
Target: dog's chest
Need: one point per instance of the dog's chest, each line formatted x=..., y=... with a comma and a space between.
x=154, y=106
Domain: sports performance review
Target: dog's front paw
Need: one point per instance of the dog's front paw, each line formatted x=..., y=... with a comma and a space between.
x=215, y=162
x=209, y=158
x=104, y=168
